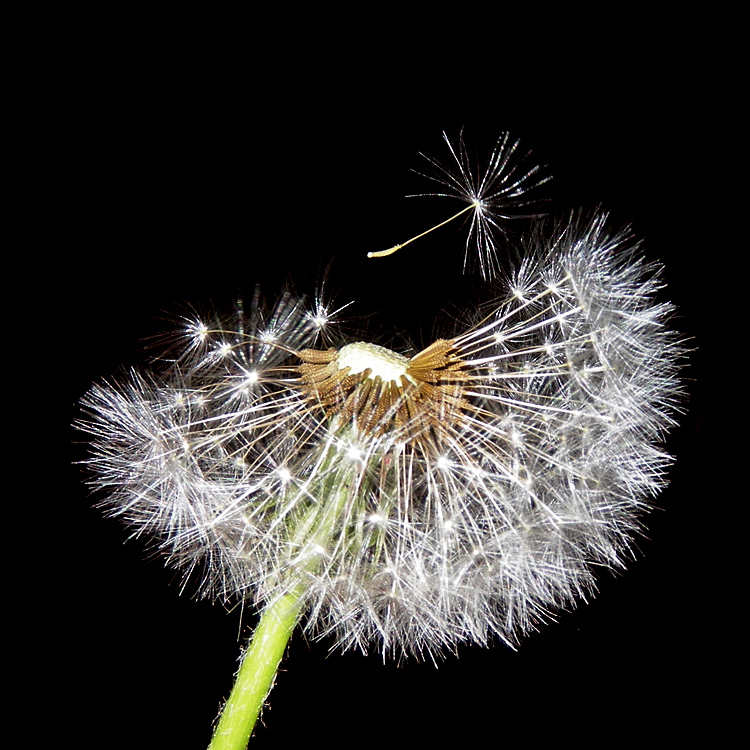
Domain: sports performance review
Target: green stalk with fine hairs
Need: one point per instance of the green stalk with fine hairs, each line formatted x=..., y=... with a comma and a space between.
x=261, y=660
x=256, y=674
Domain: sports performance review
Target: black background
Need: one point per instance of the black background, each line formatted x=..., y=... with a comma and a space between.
x=186, y=181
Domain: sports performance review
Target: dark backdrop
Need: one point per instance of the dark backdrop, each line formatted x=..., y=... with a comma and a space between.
x=179, y=186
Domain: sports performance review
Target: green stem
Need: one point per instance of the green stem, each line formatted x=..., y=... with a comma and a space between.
x=259, y=665
x=255, y=678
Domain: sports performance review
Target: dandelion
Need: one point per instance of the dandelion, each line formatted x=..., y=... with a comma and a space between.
x=404, y=502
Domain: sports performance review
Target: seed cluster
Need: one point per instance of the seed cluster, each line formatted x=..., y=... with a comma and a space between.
x=465, y=493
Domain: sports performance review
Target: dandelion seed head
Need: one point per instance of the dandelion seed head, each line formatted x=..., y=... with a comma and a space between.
x=461, y=493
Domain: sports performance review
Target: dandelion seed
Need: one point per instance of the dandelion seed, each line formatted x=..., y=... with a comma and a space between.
x=494, y=196
x=405, y=502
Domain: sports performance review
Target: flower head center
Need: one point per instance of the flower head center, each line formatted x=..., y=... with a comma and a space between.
x=381, y=362
x=385, y=393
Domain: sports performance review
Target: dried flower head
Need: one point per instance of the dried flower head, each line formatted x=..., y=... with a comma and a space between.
x=409, y=500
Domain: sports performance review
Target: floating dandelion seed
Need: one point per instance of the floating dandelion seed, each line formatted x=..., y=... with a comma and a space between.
x=406, y=502
x=495, y=195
